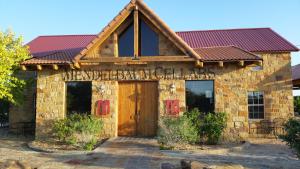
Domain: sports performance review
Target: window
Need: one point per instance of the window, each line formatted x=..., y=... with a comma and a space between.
x=126, y=42
x=200, y=94
x=148, y=40
x=79, y=95
x=256, y=105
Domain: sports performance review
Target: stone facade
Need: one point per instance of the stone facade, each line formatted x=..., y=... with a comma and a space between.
x=232, y=83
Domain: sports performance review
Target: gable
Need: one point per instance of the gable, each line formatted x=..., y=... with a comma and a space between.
x=105, y=45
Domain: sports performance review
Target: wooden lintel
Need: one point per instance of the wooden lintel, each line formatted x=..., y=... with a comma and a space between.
x=39, y=67
x=242, y=63
x=23, y=67
x=136, y=33
x=221, y=64
x=199, y=64
x=116, y=48
x=77, y=65
x=55, y=67
x=141, y=59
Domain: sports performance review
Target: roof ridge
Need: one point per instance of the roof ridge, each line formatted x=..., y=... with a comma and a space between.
x=229, y=29
x=67, y=35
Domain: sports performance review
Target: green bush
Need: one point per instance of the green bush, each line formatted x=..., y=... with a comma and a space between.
x=190, y=127
x=78, y=130
x=212, y=127
x=292, y=136
x=177, y=130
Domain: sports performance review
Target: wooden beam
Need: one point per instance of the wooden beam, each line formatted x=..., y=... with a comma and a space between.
x=55, y=67
x=141, y=59
x=77, y=65
x=39, y=67
x=136, y=31
x=23, y=67
x=199, y=64
x=221, y=64
x=260, y=63
x=116, y=47
x=242, y=63
x=72, y=66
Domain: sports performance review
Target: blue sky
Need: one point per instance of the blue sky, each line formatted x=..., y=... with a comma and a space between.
x=32, y=18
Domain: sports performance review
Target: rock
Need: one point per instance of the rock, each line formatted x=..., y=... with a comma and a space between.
x=169, y=166
x=185, y=164
x=12, y=164
x=198, y=165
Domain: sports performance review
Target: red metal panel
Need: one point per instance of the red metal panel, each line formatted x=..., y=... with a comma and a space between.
x=103, y=107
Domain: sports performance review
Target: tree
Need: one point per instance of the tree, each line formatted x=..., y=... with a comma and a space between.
x=12, y=53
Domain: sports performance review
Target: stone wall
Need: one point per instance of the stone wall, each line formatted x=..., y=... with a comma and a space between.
x=232, y=84
x=51, y=103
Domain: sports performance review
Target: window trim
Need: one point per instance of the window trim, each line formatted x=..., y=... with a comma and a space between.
x=214, y=92
x=248, y=105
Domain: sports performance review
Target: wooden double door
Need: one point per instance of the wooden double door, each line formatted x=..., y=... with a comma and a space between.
x=138, y=109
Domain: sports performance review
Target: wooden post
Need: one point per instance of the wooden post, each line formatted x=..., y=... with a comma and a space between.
x=221, y=64
x=242, y=63
x=39, y=67
x=23, y=67
x=55, y=67
x=77, y=65
x=260, y=63
x=199, y=64
x=136, y=32
x=116, y=47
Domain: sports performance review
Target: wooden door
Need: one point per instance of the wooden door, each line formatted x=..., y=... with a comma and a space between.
x=127, y=109
x=138, y=105
x=147, y=106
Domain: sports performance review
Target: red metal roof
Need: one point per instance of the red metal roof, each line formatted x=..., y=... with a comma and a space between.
x=296, y=72
x=56, y=43
x=62, y=49
x=225, y=53
x=253, y=40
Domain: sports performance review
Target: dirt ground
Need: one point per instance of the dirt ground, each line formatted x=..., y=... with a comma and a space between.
x=139, y=153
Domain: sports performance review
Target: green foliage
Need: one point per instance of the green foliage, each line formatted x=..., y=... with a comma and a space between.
x=177, y=130
x=79, y=130
x=190, y=127
x=213, y=125
x=12, y=53
x=297, y=103
x=292, y=136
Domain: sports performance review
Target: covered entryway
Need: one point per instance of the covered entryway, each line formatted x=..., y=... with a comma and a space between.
x=138, y=109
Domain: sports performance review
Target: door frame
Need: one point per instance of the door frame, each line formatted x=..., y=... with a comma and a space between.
x=136, y=105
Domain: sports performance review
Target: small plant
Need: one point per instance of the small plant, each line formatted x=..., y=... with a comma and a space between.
x=177, y=130
x=190, y=127
x=212, y=127
x=292, y=136
x=78, y=130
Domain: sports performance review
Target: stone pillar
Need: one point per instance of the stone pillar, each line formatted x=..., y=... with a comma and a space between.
x=111, y=94
x=50, y=102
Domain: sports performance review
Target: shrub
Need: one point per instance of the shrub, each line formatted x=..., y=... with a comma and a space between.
x=297, y=104
x=190, y=127
x=212, y=127
x=177, y=130
x=78, y=130
x=292, y=136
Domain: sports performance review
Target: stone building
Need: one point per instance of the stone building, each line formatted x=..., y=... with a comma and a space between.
x=137, y=70
x=296, y=76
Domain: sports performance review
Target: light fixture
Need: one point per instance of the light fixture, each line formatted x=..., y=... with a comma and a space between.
x=172, y=88
x=101, y=89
